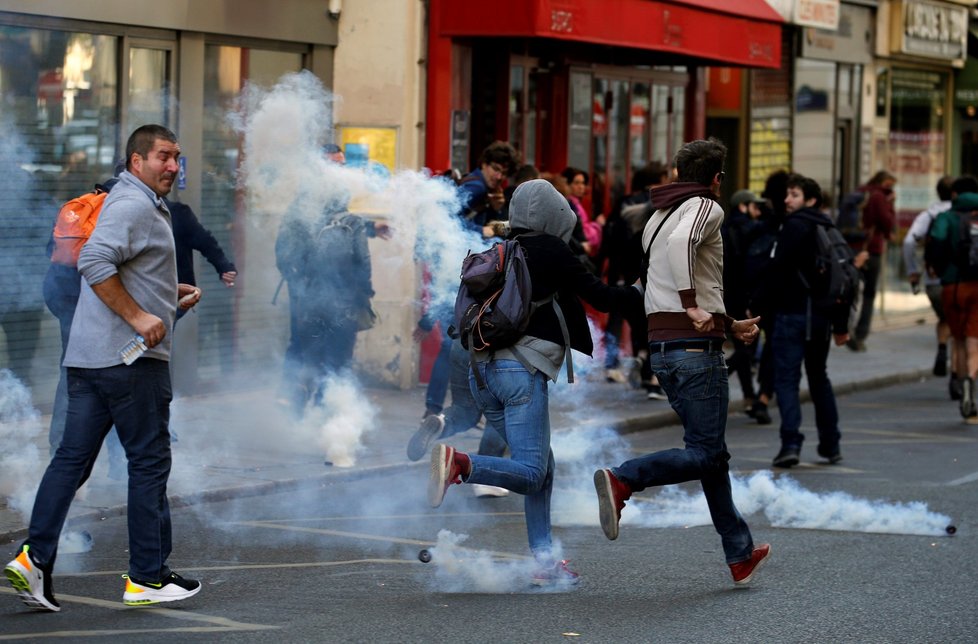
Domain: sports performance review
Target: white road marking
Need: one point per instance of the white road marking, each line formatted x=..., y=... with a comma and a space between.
x=970, y=478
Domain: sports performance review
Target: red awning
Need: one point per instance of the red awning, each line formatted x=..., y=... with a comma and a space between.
x=722, y=32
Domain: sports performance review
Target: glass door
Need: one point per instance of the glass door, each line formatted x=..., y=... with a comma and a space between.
x=148, y=86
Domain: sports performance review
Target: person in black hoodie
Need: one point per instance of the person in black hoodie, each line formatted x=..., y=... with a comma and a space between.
x=515, y=397
x=802, y=328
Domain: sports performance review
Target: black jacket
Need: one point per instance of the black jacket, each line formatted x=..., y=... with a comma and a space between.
x=189, y=235
x=555, y=269
x=793, y=266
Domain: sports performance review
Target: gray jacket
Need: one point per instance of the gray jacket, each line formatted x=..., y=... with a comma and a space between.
x=134, y=239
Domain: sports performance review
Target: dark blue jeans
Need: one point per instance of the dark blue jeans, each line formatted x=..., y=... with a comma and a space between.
x=795, y=341
x=696, y=383
x=137, y=400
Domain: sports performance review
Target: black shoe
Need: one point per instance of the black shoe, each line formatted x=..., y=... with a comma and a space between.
x=858, y=346
x=832, y=456
x=760, y=414
x=940, y=362
x=954, y=387
x=787, y=457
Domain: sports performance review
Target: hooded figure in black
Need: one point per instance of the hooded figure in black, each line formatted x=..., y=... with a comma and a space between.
x=515, y=396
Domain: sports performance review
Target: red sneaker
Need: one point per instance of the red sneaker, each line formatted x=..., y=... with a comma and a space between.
x=743, y=571
x=557, y=575
x=612, y=495
x=444, y=471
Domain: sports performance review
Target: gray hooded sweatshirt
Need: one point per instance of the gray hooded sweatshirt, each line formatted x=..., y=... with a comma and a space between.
x=134, y=239
x=537, y=206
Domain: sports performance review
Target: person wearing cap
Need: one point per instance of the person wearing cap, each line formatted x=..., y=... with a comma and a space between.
x=742, y=226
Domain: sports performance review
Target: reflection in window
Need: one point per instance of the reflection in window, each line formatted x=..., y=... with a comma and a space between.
x=57, y=139
x=149, y=95
x=221, y=340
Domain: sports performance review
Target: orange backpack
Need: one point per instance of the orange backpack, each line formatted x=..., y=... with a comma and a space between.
x=74, y=226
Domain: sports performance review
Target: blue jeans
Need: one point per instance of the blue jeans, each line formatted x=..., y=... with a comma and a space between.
x=517, y=404
x=137, y=400
x=441, y=374
x=696, y=383
x=794, y=341
x=464, y=412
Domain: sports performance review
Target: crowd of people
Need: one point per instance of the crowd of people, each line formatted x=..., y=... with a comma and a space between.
x=698, y=285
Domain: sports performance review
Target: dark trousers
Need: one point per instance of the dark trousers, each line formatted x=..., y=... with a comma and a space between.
x=871, y=277
x=795, y=340
x=318, y=347
x=136, y=399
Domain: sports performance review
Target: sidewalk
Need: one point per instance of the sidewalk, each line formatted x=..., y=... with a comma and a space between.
x=241, y=444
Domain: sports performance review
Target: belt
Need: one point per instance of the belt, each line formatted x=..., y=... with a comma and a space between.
x=706, y=344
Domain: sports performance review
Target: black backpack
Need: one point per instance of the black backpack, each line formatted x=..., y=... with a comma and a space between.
x=836, y=279
x=850, y=218
x=494, y=302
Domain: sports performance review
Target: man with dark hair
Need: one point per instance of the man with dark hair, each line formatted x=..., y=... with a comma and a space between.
x=802, y=324
x=130, y=288
x=481, y=191
x=686, y=324
x=951, y=252
x=878, y=222
x=932, y=284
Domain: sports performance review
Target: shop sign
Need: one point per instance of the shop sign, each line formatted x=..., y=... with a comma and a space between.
x=933, y=30
x=850, y=43
x=823, y=14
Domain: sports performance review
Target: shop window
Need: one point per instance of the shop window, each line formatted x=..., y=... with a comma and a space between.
x=58, y=137
x=149, y=87
x=523, y=110
x=234, y=323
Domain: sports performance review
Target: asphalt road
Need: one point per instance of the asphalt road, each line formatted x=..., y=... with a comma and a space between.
x=339, y=563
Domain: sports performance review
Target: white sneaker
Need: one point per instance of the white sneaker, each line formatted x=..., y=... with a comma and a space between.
x=172, y=588
x=487, y=491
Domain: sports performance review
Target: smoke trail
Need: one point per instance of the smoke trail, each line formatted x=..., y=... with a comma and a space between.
x=342, y=421
x=783, y=501
x=20, y=459
x=459, y=569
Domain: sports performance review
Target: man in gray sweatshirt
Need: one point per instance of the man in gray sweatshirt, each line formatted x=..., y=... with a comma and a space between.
x=130, y=289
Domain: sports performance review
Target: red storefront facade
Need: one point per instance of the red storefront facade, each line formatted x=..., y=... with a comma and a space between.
x=604, y=85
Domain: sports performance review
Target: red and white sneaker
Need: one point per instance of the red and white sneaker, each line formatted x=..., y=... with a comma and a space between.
x=445, y=470
x=612, y=495
x=743, y=571
x=558, y=574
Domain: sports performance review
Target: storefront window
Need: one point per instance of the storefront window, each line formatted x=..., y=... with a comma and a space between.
x=516, y=106
x=149, y=87
x=815, y=95
x=638, y=124
x=220, y=339
x=58, y=137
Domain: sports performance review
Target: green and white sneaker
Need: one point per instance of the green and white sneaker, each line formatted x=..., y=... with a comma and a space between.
x=31, y=582
x=172, y=588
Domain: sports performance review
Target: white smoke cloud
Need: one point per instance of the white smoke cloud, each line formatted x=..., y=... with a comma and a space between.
x=342, y=421
x=21, y=464
x=782, y=500
x=459, y=569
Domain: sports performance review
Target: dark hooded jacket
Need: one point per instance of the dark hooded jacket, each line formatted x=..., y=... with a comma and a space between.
x=793, y=265
x=553, y=267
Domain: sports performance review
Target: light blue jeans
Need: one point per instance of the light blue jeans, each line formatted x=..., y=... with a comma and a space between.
x=517, y=404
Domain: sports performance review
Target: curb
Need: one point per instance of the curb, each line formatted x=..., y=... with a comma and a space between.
x=656, y=420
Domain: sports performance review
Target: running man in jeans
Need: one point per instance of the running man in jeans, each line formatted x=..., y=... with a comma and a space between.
x=687, y=321
x=130, y=288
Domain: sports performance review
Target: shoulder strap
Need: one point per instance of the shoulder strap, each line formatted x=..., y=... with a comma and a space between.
x=648, y=251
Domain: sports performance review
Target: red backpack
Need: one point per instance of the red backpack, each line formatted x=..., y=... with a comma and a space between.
x=74, y=225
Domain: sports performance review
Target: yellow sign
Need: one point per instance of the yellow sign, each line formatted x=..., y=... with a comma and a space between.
x=363, y=144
